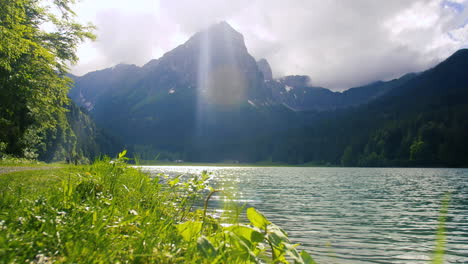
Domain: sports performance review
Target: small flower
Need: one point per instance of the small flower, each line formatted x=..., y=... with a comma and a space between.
x=133, y=212
x=39, y=218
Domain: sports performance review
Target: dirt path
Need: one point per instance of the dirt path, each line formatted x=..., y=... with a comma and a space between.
x=13, y=169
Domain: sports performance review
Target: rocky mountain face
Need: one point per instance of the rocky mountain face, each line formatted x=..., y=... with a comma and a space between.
x=265, y=68
x=207, y=88
x=296, y=93
x=214, y=69
x=213, y=65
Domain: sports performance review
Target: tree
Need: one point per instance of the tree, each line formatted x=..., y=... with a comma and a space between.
x=419, y=151
x=348, y=158
x=38, y=40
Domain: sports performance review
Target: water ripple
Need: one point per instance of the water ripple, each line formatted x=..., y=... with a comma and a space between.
x=355, y=215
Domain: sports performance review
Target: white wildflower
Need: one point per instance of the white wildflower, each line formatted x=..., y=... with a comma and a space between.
x=133, y=212
x=39, y=218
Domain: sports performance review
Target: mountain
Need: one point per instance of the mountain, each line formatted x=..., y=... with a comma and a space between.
x=214, y=67
x=265, y=68
x=445, y=85
x=208, y=89
x=296, y=93
x=209, y=100
x=421, y=122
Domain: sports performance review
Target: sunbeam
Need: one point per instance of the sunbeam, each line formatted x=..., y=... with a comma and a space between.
x=221, y=81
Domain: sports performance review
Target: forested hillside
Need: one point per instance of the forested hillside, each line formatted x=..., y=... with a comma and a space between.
x=420, y=123
x=37, y=120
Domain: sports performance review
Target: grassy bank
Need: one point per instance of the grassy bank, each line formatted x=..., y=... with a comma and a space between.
x=109, y=212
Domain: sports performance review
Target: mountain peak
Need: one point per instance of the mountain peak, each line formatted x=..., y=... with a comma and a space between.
x=223, y=25
x=459, y=55
x=221, y=32
x=217, y=63
x=265, y=68
x=456, y=64
x=215, y=41
x=461, y=52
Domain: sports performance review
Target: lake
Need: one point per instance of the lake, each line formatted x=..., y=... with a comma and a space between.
x=354, y=215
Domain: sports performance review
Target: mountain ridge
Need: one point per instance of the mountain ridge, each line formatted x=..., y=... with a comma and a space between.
x=210, y=100
x=222, y=47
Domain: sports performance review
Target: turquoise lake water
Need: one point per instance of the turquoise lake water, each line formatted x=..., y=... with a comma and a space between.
x=353, y=215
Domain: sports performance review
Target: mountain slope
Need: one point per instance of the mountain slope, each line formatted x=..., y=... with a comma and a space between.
x=214, y=69
x=76, y=138
x=297, y=93
x=423, y=122
x=209, y=100
x=207, y=90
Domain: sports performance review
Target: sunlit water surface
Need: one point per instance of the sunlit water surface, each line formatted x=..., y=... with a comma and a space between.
x=354, y=215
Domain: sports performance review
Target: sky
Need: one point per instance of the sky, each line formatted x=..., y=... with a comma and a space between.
x=338, y=43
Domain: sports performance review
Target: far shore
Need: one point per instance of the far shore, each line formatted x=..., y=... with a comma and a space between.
x=224, y=164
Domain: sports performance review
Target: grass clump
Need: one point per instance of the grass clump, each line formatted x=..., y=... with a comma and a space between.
x=109, y=212
x=7, y=160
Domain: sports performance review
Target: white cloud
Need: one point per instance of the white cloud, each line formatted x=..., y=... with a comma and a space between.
x=338, y=43
x=461, y=34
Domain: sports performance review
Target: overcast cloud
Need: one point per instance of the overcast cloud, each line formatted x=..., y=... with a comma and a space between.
x=339, y=44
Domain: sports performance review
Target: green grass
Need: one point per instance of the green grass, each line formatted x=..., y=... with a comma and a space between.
x=19, y=162
x=10, y=161
x=109, y=212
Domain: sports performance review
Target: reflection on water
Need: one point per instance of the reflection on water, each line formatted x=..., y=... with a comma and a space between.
x=355, y=215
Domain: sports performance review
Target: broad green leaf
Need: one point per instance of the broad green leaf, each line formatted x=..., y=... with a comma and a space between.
x=275, y=240
x=257, y=219
x=277, y=236
x=307, y=258
x=122, y=154
x=247, y=233
x=206, y=248
x=292, y=251
x=242, y=245
x=189, y=230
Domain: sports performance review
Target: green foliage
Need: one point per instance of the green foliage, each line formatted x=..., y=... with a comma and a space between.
x=9, y=160
x=347, y=159
x=109, y=212
x=418, y=150
x=33, y=67
x=257, y=219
